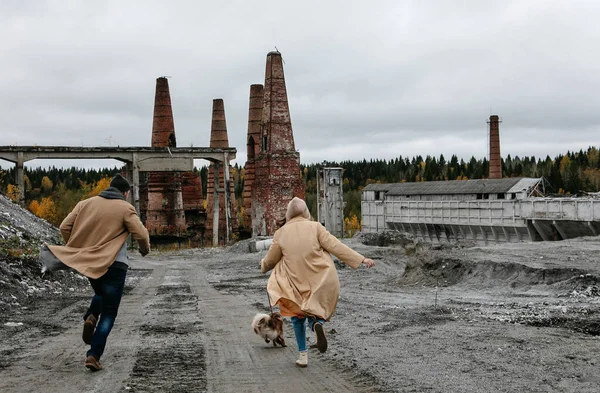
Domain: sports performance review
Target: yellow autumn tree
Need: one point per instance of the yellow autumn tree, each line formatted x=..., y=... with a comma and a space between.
x=34, y=207
x=13, y=192
x=592, y=177
x=47, y=211
x=47, y=185
x=565, y=162
x=27, y=183
x=98, y=187
x=352, y=225
x=241, y=214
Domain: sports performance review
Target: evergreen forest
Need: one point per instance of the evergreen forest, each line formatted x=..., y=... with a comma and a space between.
x=52, y=192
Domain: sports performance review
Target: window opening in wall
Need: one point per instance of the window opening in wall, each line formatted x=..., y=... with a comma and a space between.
x=513, y=196
x=264, y=143
x=479, y=196
x=334, y=178
x=486, y=196
x=251, y=148
x=501, y=196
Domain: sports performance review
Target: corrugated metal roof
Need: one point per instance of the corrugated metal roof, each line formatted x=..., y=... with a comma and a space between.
x=525, y=184
x=474, y=186
x=379, y=187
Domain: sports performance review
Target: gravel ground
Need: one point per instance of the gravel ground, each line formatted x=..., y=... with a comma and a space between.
x=508, y=318
x=519, y=317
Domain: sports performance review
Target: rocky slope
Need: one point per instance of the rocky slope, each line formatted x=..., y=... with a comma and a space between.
x=21, y=281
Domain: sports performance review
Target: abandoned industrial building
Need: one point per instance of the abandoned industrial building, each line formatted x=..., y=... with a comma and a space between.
x=172, y=203
x=168, y=193
x=492, y=210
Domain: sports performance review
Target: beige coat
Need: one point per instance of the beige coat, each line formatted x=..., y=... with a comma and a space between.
x=304, y=279
x=94, y=233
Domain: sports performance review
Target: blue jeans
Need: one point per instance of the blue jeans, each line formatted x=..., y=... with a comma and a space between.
x=299, y=325
x=108, y=291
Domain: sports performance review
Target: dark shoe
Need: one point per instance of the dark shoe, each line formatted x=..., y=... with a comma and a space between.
x=93, y=364
x=321, y=339
x=88, y=329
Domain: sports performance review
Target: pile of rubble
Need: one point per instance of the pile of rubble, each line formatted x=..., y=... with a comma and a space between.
x=387, y=238
x=21, y=281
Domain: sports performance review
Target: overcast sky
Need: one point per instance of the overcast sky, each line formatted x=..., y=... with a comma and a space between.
x=365, y=79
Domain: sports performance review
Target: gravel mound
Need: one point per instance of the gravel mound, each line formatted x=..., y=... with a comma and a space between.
x=21, y=281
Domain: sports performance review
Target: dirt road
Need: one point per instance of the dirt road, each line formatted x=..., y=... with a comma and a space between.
x=508, y=318
x=174, y=333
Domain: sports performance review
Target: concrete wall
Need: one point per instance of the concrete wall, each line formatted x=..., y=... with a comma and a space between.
x=485, y=221
x=331, y=200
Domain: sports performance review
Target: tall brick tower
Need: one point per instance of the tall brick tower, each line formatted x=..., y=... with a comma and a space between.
x=164, y=207
x=277, y=164
x=495, y=158
x=219, y=139
x=253, y=150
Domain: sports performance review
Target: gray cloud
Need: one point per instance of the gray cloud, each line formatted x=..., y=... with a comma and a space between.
x=365, y=79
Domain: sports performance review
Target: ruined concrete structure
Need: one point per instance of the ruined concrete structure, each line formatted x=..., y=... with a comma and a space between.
x=163, y=200
x=493, y=210
x=276, y=162
x=330, y=200
x=219, y=139
x=253, y=150
x=495, y=158
x=479, y=210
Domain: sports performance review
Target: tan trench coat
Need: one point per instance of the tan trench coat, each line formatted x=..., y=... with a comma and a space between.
x=304, y=279
x=95, y=231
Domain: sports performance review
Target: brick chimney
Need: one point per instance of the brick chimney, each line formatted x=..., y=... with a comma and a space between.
x=276, y=122
x=495, y=158
x=253, y=149
x=163, y=213
x=163, y=127
x=219, y=139
x=218, y=128
x=277, y=164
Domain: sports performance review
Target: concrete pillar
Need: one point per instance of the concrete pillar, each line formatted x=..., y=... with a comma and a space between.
x=20, y=180
x=484, y=234
x=222, y=183
x=541, y=231
x=227, y=197
x=506, y=235
x=591, y=226
x=215, y=227
x=560, y=229
x=135, y=183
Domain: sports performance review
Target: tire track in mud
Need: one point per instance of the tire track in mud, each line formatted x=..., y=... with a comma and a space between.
x=54, y=363
x=171, y=356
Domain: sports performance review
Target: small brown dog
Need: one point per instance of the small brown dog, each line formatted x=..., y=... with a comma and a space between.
x=269, y=327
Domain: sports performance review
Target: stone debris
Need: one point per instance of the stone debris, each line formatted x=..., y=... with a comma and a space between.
x=21, y=235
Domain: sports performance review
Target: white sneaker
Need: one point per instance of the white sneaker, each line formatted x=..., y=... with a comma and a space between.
x=302, y=359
